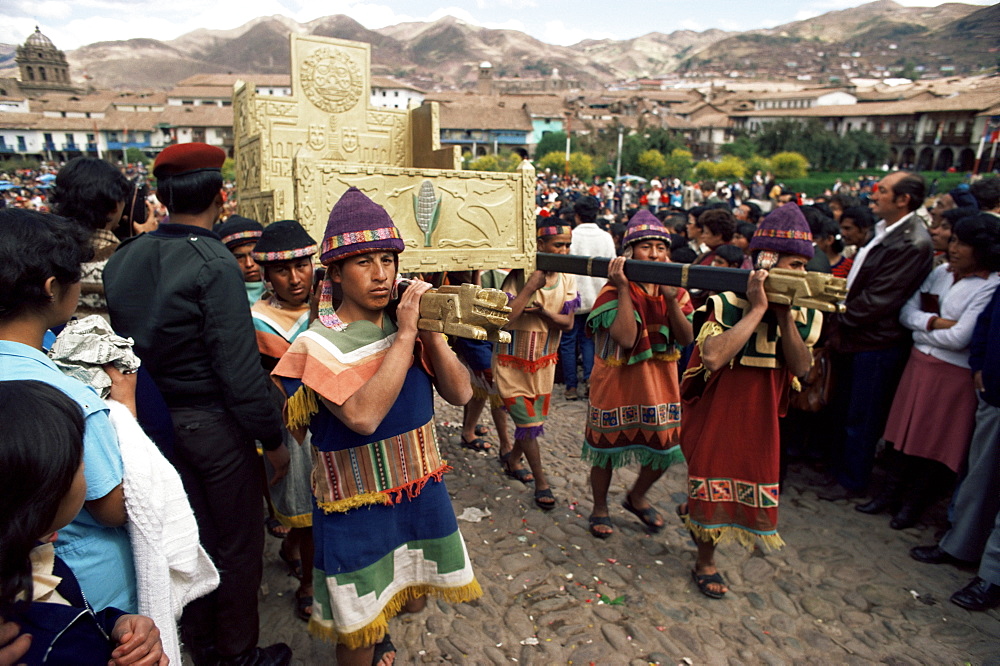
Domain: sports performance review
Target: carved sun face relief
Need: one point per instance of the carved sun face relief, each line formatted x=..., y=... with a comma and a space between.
x=331, y=80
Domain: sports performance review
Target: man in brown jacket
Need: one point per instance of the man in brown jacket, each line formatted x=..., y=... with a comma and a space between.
x=872, y=345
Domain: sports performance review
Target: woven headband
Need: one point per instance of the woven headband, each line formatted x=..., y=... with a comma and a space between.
x=240, y=235
x=784, y=233
x=555, y=230
x=355, y=237
x=283, y=255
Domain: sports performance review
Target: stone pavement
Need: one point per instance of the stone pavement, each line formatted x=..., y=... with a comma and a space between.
x=843, y=591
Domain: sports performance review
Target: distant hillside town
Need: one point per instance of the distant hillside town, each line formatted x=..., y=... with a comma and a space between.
x=936, y=124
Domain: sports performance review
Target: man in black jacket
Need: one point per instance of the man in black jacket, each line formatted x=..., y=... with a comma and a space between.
x=871, y=342
x=178, y=292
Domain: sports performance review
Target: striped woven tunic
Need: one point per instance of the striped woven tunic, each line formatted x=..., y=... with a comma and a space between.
x=384, y=528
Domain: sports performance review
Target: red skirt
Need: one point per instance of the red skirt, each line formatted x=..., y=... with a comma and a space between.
x=934, y=411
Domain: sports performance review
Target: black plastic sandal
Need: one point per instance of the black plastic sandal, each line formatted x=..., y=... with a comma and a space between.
x=382, y=648
x=477, y=444
x=647, y=516
x=605, y=521
x=545, y=494
x=519, y=474
x=704, y=580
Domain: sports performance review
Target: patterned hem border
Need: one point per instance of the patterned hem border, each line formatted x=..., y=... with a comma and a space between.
x=385, y=497
x=374, y=631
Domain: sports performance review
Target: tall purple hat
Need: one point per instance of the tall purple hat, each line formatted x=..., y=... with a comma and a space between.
x=785, y=231
x=358, y=225
x=643, y=226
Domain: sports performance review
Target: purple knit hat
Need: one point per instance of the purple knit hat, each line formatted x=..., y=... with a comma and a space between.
x=643, y=226
x=784, y=231
x=358, y=225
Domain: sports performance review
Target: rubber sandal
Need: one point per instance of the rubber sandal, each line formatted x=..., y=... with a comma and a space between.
x=294, y=566
x=303, y=607
x=545, y=494
x=477, y=444
x=704, y=580
x=519, y=474
x=594, y=521
x=275, y=528
x=481, y=430
x=382, y=648
x=646, y=516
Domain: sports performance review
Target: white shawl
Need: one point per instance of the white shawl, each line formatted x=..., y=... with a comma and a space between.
x=171, y=567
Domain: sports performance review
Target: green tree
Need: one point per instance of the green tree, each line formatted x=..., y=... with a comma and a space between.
x=705, y=170
x=581, y=165
x=869, y=149
x=133, y=155
x=505, y=161
x=554, y=141
x=743, y=147
x=229, y=170
x=730, y=167
x=757, y=163
x=679, y=164
x=789, y=165
x=650, y=164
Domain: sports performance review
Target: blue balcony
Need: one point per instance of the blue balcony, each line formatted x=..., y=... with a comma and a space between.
x=91, y=147
x=49, y=145
x=121, y=145
x=72, y=147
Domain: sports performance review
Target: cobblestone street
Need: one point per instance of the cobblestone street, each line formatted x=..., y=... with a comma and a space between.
x=843, y=591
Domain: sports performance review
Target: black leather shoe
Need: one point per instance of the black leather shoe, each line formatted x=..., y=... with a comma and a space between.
x=934, y=555
x=278, y=654
x=879, y=504
x=978, y=595
x=908, y=516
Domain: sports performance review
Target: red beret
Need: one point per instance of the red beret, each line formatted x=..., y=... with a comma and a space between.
x=187, y=158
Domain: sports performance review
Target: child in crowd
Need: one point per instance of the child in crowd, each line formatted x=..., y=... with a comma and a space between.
x=741, y=239
x=284, y=253
x=541, y=307
x=41, y=472
x=728, y=256
x=635, y=413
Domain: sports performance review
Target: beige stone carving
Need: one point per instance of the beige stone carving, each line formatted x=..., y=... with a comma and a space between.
x=296, y=156
x=819, y=291
x=465, y=311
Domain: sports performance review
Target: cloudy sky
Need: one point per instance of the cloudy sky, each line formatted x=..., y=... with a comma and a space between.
x=73, y=23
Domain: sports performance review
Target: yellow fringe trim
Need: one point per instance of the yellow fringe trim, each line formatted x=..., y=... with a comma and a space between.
x=295, y=522
x=729, y=534
x=479, y=393
x=374, y=632
x=345, y=505
x=796, y=384
x=668, y=356
x=301, y=407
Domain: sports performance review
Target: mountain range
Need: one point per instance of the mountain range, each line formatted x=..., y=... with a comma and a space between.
x=445, y=54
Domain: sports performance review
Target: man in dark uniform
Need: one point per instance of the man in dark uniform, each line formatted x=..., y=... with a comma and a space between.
x=178, y=292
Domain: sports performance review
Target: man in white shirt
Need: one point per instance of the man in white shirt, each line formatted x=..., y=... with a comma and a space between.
x=872, y=344
x=591, y=241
